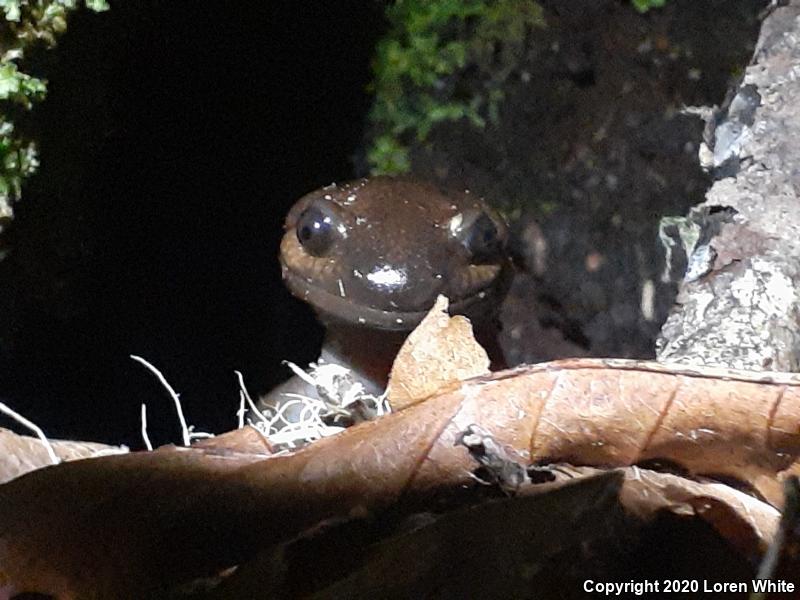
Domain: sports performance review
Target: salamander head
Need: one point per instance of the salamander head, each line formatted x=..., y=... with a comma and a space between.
x=377, y=252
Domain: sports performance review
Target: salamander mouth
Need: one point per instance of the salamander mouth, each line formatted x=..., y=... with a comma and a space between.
x=331, y=306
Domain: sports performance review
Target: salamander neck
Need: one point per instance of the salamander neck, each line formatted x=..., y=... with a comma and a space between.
x=368, y=353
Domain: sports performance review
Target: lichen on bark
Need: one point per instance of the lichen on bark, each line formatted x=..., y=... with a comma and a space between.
x=741, y=308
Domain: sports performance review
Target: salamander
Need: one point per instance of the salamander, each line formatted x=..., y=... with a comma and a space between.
x=371, y=256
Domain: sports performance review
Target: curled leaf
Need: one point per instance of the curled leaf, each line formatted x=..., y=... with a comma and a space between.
x=439, y=352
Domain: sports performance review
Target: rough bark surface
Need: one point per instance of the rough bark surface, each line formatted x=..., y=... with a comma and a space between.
x=740, y=298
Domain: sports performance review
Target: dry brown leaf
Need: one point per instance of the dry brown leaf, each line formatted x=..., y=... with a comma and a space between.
x=103, y=527
x=503, y=548
x=746, y=522
x=20, y=454
x=500, y=548
x=247, y=440
x=439, y=352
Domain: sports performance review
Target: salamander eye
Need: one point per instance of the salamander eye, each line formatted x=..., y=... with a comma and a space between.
x=317, y=229
x=479, y=234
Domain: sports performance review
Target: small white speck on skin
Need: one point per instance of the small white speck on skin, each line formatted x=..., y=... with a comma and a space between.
x=455, y=223
x=387, y=276
x=481, y=295
x=328, y=197
x=341, y=288
x=399, y=321
x=361, y=220
x=362, y=320
x=357, y=273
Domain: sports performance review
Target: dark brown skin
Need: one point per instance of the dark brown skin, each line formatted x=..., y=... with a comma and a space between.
x=390, y=247
x=372, y=255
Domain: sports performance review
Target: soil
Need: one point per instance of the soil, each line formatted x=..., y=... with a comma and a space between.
x=590, y=151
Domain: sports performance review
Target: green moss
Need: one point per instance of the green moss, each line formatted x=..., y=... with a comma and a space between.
x=26, y=23
x=445, y=60
x=421, y=69
x=644, y=5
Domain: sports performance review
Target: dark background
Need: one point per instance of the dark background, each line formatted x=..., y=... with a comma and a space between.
x=172, y=142
x=174, y=139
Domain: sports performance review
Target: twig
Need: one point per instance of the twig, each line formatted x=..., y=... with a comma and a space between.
x=184, y=428
x=243, y=392
x=33, y=427
x=297, y=370
x=145, y=437
x=242, y=410
x=199, y=435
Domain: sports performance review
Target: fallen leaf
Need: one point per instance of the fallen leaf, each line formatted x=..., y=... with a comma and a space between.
x=439, y=352
x=20, y=454
x=119, y=526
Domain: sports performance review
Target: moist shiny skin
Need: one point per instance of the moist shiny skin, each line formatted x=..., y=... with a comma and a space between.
x=375, y=253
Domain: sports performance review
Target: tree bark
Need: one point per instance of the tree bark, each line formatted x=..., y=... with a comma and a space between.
x=739, y=301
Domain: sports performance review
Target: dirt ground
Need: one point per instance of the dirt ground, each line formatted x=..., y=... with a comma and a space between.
x=589, y=153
